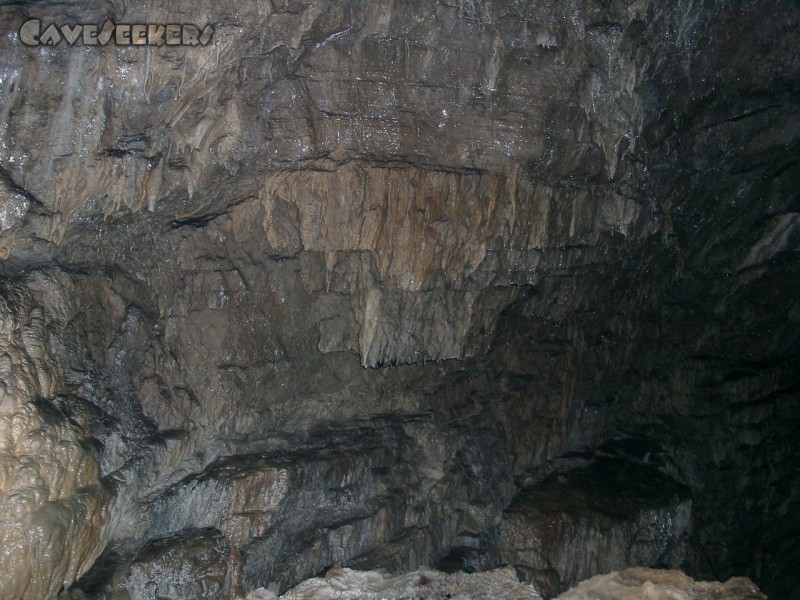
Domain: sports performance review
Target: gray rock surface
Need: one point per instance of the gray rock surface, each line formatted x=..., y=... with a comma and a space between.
x=54, y=507
x=424, y=584
x=336, y=285
x=602, y=514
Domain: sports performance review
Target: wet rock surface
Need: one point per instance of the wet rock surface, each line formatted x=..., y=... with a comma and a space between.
x=335, y=286
x=53, y=507
x=287, y=513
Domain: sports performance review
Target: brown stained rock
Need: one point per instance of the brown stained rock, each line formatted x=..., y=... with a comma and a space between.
x=417, y=179
x=606, y=515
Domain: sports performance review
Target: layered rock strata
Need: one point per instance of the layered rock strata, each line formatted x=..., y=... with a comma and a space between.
x=346, y=245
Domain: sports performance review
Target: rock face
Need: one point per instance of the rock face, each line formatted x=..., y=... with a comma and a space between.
x=192, y=564
x=347, y=584
x=630, y=584
x=600, y=515
x=338, y=282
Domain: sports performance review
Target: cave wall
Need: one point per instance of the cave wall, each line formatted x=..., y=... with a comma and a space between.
x=337, y=285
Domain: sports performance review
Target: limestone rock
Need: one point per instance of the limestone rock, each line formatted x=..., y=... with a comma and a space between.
x=631, y=584
x=53, y=507
x=654, y=584
x=188, y=564
x=424, y=584
x=390, y=262
x=605, y=514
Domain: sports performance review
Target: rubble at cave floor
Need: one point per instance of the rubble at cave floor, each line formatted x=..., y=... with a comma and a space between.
x=502, y=584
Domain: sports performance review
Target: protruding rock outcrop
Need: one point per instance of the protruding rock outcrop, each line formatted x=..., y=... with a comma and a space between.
x=653, y=584
x=604, y=513
x=54, y=509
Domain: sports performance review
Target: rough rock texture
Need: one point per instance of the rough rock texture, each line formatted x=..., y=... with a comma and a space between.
x=601, y=514
x=631, y=584
x=424, y=584
x=636, y=583
x=53, y=506
x=348, y=249
x=192, y=564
